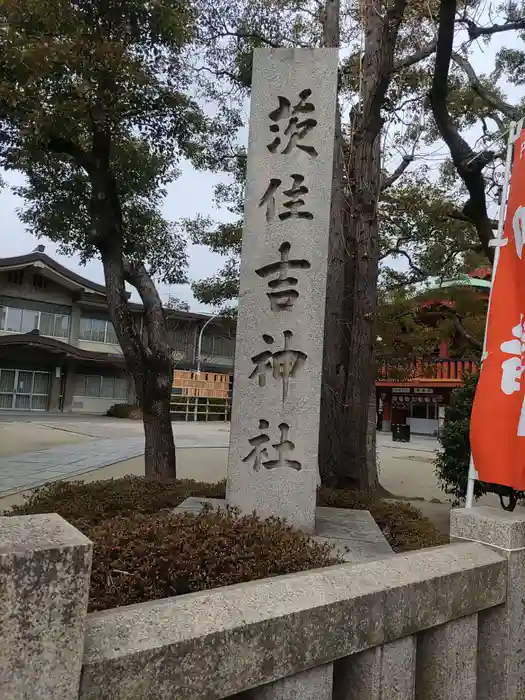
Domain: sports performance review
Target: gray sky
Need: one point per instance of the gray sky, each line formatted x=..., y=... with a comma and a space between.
x=191, y=194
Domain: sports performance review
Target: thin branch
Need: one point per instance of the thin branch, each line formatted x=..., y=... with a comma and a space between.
x=489, y=98
x=397, y=251
x=457, y=320
x=389, y=180
x=475, y=31
x=416, y=57
x=245, y=35
x=460, y=216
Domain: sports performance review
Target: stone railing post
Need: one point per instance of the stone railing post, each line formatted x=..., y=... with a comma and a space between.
x=315, y=684
x=386, y=672
x=501, y=658
x=45, y=566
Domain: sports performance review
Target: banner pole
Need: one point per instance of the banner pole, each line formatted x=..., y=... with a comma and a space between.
x=497, y=242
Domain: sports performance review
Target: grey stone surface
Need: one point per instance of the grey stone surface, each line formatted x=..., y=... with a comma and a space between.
x=501, y=665
x=387, y=672
x=279, y=347
x=493, y=526
x=314, y=684
x=217, y=643
x=44, y=582
x=447, y=661
x=31, y=469
x=353, y=534
x=194, y=505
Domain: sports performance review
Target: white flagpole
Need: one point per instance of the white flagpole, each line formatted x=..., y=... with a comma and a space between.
x=497, y=242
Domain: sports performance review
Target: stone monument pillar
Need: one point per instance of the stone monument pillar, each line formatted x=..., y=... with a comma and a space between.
x=272, y=465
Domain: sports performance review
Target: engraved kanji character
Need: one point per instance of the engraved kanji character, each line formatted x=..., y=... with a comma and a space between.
x=293, y=206
x=284, y=364
x=258, y=452
x=282, y=299
x=283, y=449
x=297, y=128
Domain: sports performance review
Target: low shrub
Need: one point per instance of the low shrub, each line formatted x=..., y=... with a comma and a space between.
x=143, y=551
x=125, y=410
x=452, y=462
x=404, y=526
x=145, y=557
x=85, y=505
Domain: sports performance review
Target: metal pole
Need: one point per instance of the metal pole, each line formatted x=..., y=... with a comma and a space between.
x=199, y=360
x=514, y=132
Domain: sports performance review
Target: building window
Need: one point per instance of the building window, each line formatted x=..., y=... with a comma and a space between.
x=27, y=320
x=97, y=331
x=97, y=387
x=15, y=276
x=218, y=346
x=424, y=410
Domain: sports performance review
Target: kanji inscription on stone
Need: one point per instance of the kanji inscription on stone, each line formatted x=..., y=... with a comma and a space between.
x=282, y=286
x=298, y=126
x=294, y=205
x=283, y=364
x=282, y=295
x=258, y=455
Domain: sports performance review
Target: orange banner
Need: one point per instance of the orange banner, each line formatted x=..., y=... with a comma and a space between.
x=497, y=427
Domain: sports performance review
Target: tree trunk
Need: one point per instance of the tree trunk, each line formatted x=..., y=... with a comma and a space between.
x=154, y=400
x=148, y=358
x=333, y=433
x=359, y=326
x=347, y=456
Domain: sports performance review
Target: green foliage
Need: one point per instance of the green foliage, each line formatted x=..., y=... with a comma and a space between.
x=417, y=230
x=87, y=81
x=452, y=463
x=176, y=304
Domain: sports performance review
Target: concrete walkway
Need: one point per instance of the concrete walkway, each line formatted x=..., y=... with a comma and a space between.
x=70, y=448
x=35, y=450
x=30, y=469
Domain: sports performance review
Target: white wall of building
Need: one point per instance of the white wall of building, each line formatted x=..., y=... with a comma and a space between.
x=423, y=426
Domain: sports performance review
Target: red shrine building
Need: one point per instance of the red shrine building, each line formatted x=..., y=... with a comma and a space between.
x=419, y=399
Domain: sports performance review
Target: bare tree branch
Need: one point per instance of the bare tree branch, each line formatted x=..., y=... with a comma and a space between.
x=490, y=98
x=469, y=164
x=457, y=320
x=475, y=31
x=245, y=35
x=413, y=267
x=460, y=216
x=420, y=55
x=388, y=180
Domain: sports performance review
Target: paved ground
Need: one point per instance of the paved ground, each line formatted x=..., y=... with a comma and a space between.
x=35, y=449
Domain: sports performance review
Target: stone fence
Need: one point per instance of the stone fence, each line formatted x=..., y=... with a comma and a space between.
x=445, y=623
